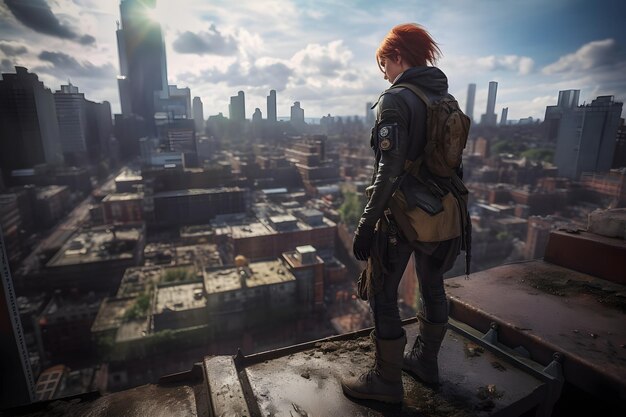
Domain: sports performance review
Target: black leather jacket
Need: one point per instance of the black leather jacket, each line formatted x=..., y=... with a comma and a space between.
x=399, y=134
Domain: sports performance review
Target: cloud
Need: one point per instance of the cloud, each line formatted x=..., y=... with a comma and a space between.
x=37, y=15
x=591, y=55
x=6, y=66
x=208, y=42
x=12, y=49
x=324, y=60
x=64, y=65
x=521, y=64
x=262, y=73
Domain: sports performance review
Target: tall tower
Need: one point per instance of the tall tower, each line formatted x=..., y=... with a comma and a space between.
x=568, y=100
x=297, y=113
x=370, y=118
x=29, y=131
x=471, y=98
x=143, y=65
x=586, y=137
x=237, y=107
x=198, y=114
x=490, y=117
x=271, y=106
x=505, y=114
x=71, y=115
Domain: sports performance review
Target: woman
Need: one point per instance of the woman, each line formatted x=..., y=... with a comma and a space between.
x=400, y=135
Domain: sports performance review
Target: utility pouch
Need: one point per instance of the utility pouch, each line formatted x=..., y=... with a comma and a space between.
x=419, y=195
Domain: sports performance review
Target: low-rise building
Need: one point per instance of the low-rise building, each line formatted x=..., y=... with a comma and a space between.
x=95, y=259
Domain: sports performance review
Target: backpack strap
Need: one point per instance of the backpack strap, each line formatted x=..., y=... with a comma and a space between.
x=415, y=90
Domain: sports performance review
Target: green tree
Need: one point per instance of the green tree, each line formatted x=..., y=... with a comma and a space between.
x=352, y=208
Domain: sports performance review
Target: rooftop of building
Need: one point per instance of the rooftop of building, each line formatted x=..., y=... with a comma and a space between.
x=197, y=191
x=97, y=245
x=179, y=297
x=71, y=307
x=123, y=197
x=257, y=274
x=139, y=280
x=129, y=175
x=49, y=191
x=112, y=313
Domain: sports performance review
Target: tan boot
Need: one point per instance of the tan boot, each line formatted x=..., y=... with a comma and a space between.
x=421, y=360
x=384, y=381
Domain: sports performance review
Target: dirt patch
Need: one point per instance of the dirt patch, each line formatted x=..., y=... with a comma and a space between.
x=472, y=350
x=558, y=283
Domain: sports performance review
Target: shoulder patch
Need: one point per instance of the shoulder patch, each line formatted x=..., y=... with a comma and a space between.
x=387, y=136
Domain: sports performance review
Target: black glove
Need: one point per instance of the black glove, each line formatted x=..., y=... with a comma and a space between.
x=363, y=239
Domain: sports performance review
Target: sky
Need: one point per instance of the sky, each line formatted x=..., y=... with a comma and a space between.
x=321, y=52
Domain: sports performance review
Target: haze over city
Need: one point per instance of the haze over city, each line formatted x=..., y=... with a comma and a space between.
x=322, y=53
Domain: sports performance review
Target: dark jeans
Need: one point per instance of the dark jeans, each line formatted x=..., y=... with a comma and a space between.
x=434, y=305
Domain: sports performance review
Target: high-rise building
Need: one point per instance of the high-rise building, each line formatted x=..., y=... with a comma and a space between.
x=29, y=131
x=490, y=117
x=370, y=118
x=505, y=114
x=619, y=159
x=568, y=100
x=198, y=114
x=237, y=107
x=271, y=106
x=586, y=137
x=143, y=65
x=178, y=102
x=297, y=113
x=471, y=98
x=71, y=115
x=257, y=116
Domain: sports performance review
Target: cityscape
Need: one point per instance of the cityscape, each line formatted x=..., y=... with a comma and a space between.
x=141, y=236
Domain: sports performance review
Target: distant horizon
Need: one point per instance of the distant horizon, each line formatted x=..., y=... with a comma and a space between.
x=322, y=54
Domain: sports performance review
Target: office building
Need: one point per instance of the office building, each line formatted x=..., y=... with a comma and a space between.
x=471, y=98
x=490, y=117
x=586, y=137
x=198, y=114
x=271, y=106
x=297, y=113
x=237, y=107
x=567, y=101
x=143, y=67
x=71, y=115
x=29, y=130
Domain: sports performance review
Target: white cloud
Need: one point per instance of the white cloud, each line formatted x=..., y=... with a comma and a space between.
x=591, y=55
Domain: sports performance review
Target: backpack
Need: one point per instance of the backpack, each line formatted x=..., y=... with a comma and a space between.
x=447, y=128
x=430, y=200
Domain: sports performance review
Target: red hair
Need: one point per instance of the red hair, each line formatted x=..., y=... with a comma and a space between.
x=412, y=42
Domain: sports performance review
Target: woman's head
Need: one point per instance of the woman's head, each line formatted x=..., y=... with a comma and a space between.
x=408, y=44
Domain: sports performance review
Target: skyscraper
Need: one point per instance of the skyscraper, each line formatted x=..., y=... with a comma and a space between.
x=257, y=116
x=568, y=100
x=29, y=131
x=490, y=117
x=471, y=98
x=271, y=106
x=370, y=118
x=586, y=135
x=297, y=113
x=143, y=65
x=198, y=114
x=505, y=114
x=72, y=118
x=237, y=107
